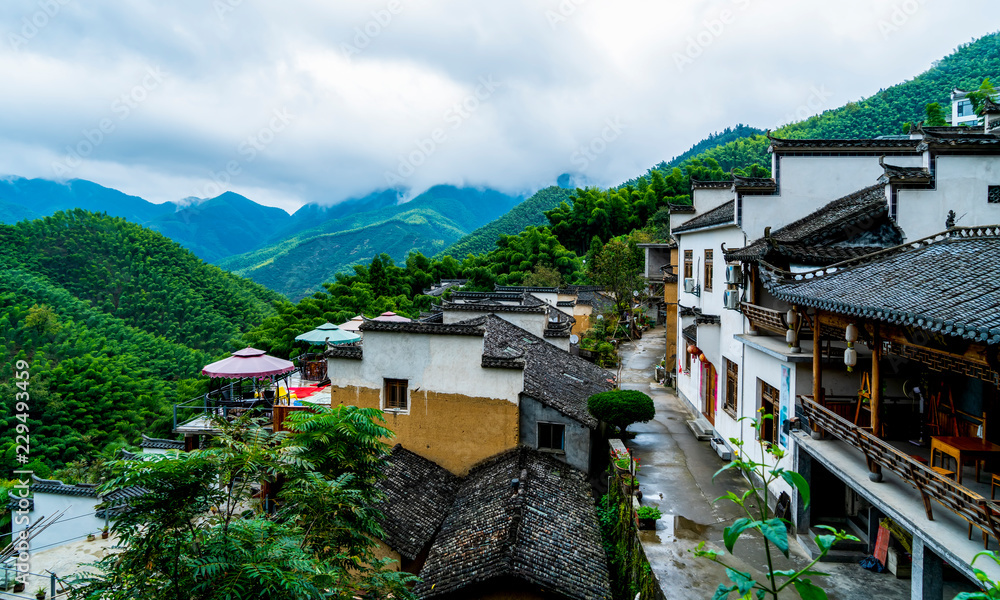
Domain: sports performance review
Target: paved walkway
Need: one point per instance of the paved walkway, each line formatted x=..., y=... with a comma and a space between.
x=676, y=475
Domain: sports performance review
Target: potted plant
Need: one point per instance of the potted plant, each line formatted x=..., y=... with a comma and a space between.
x=40, y=593
x=104, y=532
x=647, y=516
x=91, y=537
x=622, y=461
x=18, y=587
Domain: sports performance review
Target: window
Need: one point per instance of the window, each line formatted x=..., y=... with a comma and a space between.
x=732, y=387
x=551, y=436
x=964, y=108
x=395, y=394
x=708, y=271
x=688, y=264
x=687, y=360
x=769, y=406
x=993, y=196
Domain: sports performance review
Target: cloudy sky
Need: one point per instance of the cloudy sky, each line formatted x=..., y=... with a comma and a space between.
x=318, y=101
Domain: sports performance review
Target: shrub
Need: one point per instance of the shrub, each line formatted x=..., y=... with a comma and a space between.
x=621, y=408
x=649, y=512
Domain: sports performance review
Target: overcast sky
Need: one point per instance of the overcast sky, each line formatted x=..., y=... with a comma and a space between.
x=318, y=101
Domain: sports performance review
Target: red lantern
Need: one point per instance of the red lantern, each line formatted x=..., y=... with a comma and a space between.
x=693, y=350
x=703, y=358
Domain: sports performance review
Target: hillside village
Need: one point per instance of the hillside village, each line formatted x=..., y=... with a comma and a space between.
x=846, y=305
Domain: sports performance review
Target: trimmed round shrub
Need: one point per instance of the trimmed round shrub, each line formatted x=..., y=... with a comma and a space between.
x=621, y=408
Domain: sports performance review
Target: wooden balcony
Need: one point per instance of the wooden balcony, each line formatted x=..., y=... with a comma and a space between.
x=769, y=319
x=889, y=476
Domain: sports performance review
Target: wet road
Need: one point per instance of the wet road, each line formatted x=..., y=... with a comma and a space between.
x=676, y=475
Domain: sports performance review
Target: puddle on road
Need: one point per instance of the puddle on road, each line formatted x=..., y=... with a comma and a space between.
x=675, y=526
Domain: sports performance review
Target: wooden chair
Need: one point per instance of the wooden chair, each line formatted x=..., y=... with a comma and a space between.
x=994, y=484
x=969, y=425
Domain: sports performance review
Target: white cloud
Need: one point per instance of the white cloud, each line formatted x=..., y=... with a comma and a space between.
x=366, y=85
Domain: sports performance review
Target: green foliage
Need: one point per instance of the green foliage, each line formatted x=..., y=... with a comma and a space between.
x=935, y=115
x=754, y=503
x=190, y=537
x=648, y=512
x=979, y=96
x=530, y=213
x=371, y=290
x=517, y=256
x=621, y=408
x=990, y=588
x=618, y=269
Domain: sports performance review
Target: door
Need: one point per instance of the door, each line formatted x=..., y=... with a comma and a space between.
x=709, y=390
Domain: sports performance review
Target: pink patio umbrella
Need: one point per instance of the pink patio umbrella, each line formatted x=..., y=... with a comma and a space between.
x=352, y=325
x=248, y=362
x=391, y=317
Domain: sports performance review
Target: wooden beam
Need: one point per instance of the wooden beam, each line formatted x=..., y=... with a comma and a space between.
x=876, y=382
x=817, y=359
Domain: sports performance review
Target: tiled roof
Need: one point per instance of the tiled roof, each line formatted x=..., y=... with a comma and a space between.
x=522, y=288
x=690, y=333
x=162, y=444
x=508, y=296
x=566, y=303
x=351, y=352
x=859, y=219
x=594, y=299
x=417, y=327
x=520, y=515
x=948, y=284
x=750, y=184
x=717, y=216
x=55, y=486
x=681, y=209
x=418, y=495
x=945, y=138
x=778, y=144
x=698, y=184
x=552, y=376
x=895, y=174
x=488, y=306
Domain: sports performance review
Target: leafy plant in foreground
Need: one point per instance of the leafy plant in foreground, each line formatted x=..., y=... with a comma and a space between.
x=754, y=502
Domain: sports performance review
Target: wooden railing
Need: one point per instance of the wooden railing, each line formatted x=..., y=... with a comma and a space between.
x=962, y=501
x=771, y=320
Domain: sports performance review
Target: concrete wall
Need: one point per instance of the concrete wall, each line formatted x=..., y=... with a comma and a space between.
x=458, y=412
x=577, y=440
x=962, y=183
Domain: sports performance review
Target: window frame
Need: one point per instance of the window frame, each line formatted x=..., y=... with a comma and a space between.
x=769, y=427
x=387, y=396
x=688, y=264
x=709, y=269
x=553, y=427
x=732, y=389
x=993, y=194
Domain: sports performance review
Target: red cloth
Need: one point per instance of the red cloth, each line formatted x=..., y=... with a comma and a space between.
x=305, y=392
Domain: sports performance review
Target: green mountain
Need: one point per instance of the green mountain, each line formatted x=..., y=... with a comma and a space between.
x=299, y=265
x=222, y=226
x=530, y=213
x=114, y=321
x=43, y=197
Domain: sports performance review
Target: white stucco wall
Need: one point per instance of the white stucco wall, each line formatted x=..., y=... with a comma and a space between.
x=448, y=364
x=961, y=185
x=806, y=183
x=533, y=323
x=71, y=527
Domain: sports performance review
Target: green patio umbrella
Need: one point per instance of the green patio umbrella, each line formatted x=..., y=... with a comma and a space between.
x=328, y=332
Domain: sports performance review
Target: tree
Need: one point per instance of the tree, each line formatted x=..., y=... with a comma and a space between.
x=188, y=537
x=618, y=268
x=978, y=97
x=621, y=408
x=935, y=115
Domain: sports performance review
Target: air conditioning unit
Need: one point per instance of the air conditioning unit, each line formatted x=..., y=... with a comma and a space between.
x=734, y=275
x=690, y=286
x=731, y=298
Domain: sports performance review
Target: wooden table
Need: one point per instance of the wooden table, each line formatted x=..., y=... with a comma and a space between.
x=961, y=449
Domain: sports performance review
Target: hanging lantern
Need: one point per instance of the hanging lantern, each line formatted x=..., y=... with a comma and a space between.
x=851, y=333
x=790, y=317
x=703, y=358
x=790, y=337
x=850, y=358
x=693, y=350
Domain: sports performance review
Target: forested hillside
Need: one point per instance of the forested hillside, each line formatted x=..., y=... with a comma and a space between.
x=116, y=322
x=427, y=224
x=530, y=213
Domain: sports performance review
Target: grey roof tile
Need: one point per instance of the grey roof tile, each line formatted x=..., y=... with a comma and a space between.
x=717, y=216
